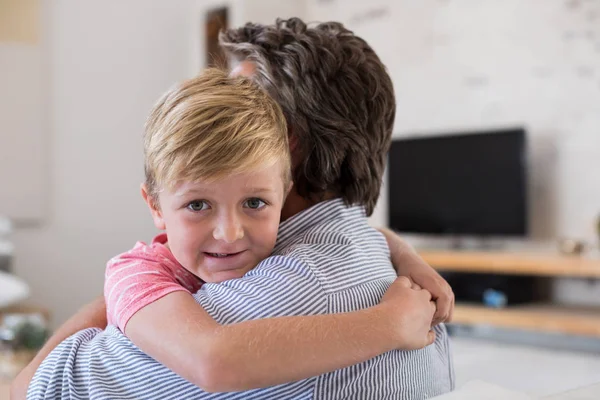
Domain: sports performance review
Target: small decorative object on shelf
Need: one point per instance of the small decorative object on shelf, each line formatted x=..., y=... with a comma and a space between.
x=572, y=247
x=21, y=336
x=494, y=298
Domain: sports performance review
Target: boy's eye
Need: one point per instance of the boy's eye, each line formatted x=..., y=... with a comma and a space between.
x=197, y=205
x=254, y=203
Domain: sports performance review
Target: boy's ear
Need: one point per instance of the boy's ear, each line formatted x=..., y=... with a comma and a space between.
x=159, y=222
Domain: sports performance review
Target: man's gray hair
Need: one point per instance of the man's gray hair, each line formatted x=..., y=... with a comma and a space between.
x=337, y=97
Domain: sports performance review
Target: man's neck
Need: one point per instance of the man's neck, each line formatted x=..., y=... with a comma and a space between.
x=294, y=203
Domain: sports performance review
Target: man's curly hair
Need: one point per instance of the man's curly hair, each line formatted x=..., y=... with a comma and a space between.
x=337, y=97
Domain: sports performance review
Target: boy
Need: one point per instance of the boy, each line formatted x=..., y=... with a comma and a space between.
x=217, y=168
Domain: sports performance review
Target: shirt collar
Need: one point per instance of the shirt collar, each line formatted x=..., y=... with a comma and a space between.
x=321, y=213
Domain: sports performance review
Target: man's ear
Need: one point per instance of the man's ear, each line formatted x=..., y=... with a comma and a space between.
x=159, y=222
x=286, y=190
x=294, y=150
x=293, y=140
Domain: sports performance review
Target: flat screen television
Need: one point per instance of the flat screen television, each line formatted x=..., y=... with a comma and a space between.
x=462, y=184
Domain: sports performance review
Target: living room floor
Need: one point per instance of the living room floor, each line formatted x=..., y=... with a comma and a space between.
x=537, y=371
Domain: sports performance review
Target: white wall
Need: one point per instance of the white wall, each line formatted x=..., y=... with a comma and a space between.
x=472, y=64
x=22, y=117
x=109, y=61
x=481, y=63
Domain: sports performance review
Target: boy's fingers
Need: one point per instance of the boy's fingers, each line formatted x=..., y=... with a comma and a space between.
x=451, y=312
x=445, y=306
x=443, y=309
x=427, y=294
x=403, y=281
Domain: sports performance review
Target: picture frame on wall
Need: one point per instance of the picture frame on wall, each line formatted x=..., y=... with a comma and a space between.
x=24, y=59
x=216, y=20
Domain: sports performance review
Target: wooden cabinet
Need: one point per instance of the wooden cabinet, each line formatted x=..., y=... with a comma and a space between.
x=551, y=318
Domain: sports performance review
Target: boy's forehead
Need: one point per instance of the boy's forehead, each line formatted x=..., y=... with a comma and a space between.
x=260, y=178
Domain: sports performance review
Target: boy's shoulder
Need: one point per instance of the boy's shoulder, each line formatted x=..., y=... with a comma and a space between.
x=156, y=251
x=155, y=258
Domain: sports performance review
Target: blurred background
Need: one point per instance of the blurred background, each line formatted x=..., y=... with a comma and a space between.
x=515, y=229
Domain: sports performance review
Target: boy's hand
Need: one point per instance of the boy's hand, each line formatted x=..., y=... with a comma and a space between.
x=411, y=312
x=429, y=279
x=408, y=263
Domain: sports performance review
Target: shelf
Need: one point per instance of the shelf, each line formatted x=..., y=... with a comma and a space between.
x=542, y=318
x=25, y=308
x=513, y=263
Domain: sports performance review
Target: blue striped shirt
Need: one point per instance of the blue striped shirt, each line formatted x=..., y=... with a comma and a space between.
x=326, y=260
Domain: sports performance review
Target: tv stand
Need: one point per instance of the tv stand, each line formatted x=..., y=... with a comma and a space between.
x=549, y=317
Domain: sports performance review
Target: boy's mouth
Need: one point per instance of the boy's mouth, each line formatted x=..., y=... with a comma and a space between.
x=223, y=262
x=223, y=255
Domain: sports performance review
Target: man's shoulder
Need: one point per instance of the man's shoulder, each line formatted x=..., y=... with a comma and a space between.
x=277, y=286
x=341, y=254
x=292, y=262
x=321, y=240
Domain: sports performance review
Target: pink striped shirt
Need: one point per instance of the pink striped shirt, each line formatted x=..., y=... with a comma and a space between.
x=141, y=276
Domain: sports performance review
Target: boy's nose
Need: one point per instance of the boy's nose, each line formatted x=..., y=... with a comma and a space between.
x=228, y=229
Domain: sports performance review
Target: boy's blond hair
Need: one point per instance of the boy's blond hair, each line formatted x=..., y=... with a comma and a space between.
x=211, y=126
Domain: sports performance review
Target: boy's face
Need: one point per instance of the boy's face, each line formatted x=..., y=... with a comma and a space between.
x=222, y=229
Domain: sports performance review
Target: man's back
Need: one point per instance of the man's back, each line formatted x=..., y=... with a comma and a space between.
x=327, y=260
x=351, y=261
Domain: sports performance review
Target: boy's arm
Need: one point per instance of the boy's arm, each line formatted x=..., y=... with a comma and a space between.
x=408, y=263
x=92, y=315
x=179, y=333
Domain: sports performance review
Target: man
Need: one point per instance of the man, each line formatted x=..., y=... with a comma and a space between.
x=339, y=104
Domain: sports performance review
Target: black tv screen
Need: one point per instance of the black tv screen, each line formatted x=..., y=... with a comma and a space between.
x=459, y=184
